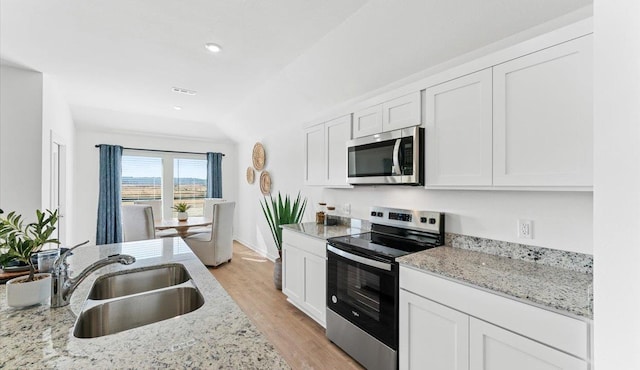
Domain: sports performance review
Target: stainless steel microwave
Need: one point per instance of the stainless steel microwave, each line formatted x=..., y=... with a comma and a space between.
x=393, y=157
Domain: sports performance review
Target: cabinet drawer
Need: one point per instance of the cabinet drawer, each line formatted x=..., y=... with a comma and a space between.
x=308, y=244
x=553, y=329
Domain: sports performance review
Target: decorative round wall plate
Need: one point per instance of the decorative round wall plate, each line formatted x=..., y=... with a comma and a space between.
x=265, y=183
x=251, y=175
x=258, y=156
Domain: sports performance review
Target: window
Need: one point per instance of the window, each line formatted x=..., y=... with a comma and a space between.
x=141, y=178
x=190, y=184
x=166, y=177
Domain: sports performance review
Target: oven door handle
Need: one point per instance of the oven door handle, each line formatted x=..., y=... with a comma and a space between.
x=396, y=158
x=362, y=260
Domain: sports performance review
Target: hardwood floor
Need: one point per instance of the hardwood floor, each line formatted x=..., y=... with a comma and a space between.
x=299, y=339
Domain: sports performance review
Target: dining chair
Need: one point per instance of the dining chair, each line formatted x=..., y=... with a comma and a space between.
x=137, y=223
x=215, y=247
x=156, y=205
x=207, y=212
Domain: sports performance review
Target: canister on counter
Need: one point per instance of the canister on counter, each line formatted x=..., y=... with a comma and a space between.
x=330, y=219
x=320, y=213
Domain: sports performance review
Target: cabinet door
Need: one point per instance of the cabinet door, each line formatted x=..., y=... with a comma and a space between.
x=367, y=121
x=314, y=153
x=315, y=286
x=543, y=117
x=432, y=336
x=337, y=132
x=459, y=131
x=293, y=273
x=494, y=348
x=401, y=112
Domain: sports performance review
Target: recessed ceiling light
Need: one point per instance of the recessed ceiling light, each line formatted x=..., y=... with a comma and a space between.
x=214, y=48
x=177, y=107
x=180, y=90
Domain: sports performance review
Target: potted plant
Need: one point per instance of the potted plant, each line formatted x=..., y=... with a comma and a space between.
x=20, y=242
x=182, y=208
x=279, y=212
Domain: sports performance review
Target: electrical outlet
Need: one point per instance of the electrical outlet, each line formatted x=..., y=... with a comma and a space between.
x=525, y=229
x=346, y=209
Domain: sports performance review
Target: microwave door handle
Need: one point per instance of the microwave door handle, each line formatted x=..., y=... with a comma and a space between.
x=362, y=260
x=396, y=158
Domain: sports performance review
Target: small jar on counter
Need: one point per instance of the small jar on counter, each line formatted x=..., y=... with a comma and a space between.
x=320, y=213
x=330, y=219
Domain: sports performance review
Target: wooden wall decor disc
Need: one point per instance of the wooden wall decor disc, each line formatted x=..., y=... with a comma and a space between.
x=251, y=175
x=265, y=183
x=258, y=156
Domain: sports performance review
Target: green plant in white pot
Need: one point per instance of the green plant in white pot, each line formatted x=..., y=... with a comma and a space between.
x=20, y=242
x=278, y=213
x=182, y=209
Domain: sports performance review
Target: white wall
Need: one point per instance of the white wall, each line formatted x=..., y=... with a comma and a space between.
x=617, y=185
x=57, y=121
x=20, y=140
x=341, y=70
x=87, y=170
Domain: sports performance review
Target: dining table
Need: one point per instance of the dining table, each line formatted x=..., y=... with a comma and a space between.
x=182, y=227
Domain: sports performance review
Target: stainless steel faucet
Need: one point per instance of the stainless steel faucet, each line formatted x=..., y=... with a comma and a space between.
x=62, y=286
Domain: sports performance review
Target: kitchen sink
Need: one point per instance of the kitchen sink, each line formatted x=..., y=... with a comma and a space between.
x=137, y=281
x=116, y=315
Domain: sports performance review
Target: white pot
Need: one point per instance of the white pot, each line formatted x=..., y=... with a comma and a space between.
x=182, y=216
x=21, y=294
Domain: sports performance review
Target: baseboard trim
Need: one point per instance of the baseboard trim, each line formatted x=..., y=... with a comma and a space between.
x=257, y=250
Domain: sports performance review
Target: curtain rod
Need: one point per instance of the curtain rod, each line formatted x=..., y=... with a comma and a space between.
x=158, y=150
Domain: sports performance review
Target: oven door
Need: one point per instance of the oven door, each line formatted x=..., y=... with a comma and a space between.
x=364, y=292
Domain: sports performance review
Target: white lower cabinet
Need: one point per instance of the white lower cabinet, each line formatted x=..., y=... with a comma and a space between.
x=444, y=325
x=304, y=274
x=493, y=348
x=432, y=336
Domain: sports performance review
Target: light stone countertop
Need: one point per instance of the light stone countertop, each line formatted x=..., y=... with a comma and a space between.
x=217, y=335
x=564, y=291
x=324, y=232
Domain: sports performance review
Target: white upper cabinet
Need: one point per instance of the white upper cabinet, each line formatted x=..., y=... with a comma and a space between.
x=337, y=133
x=401, y=112
x=543, y=117
x=326, y=152
x=367, y=121
x=459, y=131
x=315, y=155
x=391, y=115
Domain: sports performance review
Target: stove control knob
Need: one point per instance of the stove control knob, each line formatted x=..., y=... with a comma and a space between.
x=432, y=221
x=334, y=299
x=379, y=214
x=423, y=220
x=373, y=213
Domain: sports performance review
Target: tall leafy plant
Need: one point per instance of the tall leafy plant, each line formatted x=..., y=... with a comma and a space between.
x=281, y=212
x=19, y=241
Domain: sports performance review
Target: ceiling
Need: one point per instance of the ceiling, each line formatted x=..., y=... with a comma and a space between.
x=116, y=61
x=120, y=58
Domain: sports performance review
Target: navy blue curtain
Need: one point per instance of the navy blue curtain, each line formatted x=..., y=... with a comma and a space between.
x=214, y=175
x=109, y=229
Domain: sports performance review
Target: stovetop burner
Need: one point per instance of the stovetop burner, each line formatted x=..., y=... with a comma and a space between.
x=395, y=233
x=378, y=244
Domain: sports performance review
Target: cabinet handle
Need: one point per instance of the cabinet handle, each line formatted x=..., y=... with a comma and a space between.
x=362, y=260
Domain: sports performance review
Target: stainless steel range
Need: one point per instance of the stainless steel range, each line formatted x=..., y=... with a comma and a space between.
x=362, y=282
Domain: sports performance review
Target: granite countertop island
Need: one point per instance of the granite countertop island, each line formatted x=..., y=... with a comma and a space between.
x=561, y=290
x=217, y=335
x=324, y=232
